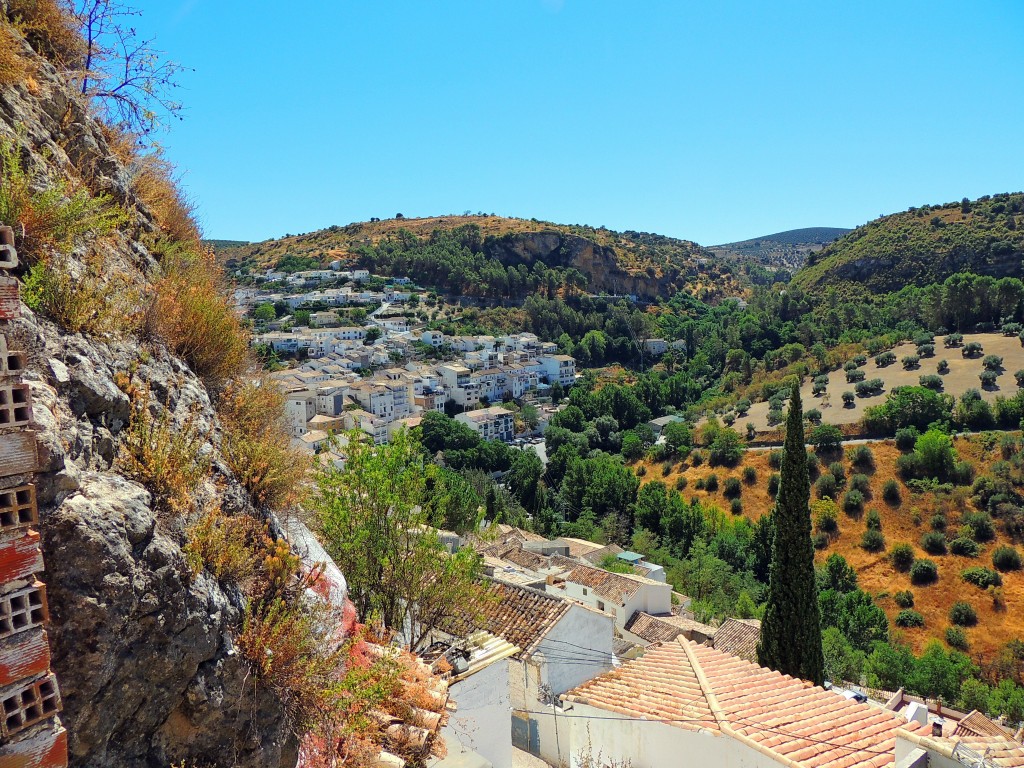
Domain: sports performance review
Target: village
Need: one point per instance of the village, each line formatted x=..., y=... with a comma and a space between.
x=376, y=378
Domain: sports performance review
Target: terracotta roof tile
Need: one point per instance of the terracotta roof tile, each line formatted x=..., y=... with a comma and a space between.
x=617, y=587
x=520, y=615
x=695, y=686
x=974, y=723
x=663, y=629
x=999, y=751
x=739, y=637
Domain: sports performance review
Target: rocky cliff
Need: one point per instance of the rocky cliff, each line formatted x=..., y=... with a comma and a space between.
x=141, y=645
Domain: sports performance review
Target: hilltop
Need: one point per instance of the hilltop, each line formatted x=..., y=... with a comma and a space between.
x=785, y=250
x=924, y=245
x=474, y=255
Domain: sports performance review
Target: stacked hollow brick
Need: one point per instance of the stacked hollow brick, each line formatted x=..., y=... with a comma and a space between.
x=31, y=734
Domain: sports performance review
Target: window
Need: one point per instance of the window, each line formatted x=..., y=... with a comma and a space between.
x=584, y=591
x=600, y=605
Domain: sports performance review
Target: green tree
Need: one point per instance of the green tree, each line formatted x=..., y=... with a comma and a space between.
x=375, y=524
x=791, y=631
x=264, y=313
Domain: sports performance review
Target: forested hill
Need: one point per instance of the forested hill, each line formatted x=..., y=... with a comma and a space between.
x=785, y=250
x=923, y=245
x=497, y=257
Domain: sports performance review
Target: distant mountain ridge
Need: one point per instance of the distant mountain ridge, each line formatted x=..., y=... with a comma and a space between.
x=783, y=250
x=923, y=245
x=465, y=255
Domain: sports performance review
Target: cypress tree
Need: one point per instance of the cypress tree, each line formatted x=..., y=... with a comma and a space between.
x=791, y=630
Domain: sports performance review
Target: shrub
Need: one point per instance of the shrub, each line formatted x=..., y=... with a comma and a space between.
x=909, y=618
x=775, y=459
x=826, y=437
x=869, y=387
x=749, y=475
x=733, y=487
x=860, y=483
x=938, y=522
x=837, y=469
x=773, y=484
x=992, y=362
x=931, y=381
x=1019, y=378
x=971, y=349
x=853, y=502
x=642, y=470
x=934, y=543
x=666, y=469
x=860, y=360
x=956, y=638
x=1006, y=558
x=953, y=340
x=813, y=416
x=13, y=67
x=849, y=365
x=193, y=314
x=775, y=417
x=855, y=375
x=902, y=557
x=906, y=437
x=813, y=466
x=256, y=444
x=49, y=211
x=962, y=614
x=826, y=486
x=711, y=482
x=873, y=521
x=981, y=525
x=891, y=492
x=165, y=457
x=820, y=540
x=154, y=184
x=923, y=572
x=223, y=545
x=825, y=519
x=884, y=359
x=861, y=456
x=904, y=598
x=697, y=458
x=942, y=366
x=910, y=361
x=981, y=577
x=680, y=483
x=872, y=540
x=736, y=506
x=964, y=547
x=51, y=29
x=849, y=398
x=988, y=378
x=925, y=350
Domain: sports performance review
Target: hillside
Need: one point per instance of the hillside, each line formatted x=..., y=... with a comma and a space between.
x=474, y=256
x=905, y=520
x=923, y=245
x=783, y=250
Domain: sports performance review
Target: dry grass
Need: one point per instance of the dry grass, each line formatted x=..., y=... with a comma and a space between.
x=82, y=299
x=13, y=67
x=155, y=185
x=51, y=29
x=256, y=444
x=223, y=545
x=163, y=456
x=192, y=313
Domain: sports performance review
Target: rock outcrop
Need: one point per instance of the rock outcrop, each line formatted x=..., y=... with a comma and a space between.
x=141, y=646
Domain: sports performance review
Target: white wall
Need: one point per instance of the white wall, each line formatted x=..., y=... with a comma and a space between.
x=650, y=744
x=483, y=721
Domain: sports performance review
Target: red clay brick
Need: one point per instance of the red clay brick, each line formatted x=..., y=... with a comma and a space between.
x=10, y=304
x=46, y=749
x=20, y=557
x=29, y=704
x=24, y=656
x=18, y=454
x=18, y=507
x=22, y=610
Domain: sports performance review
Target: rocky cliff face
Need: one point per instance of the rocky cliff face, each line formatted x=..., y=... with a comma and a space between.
x=142, y=647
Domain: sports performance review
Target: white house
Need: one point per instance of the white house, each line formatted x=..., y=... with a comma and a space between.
x=494, y=423
x=299, y=408
x=560, y=368
x=617, y=594
x=683, y=703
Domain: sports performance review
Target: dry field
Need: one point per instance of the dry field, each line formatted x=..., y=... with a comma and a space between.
x=905, y=522
x=963, y=375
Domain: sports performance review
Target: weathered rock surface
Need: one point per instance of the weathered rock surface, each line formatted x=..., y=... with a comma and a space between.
x=141, y=647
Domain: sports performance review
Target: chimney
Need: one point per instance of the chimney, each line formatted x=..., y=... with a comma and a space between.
x=937, y=726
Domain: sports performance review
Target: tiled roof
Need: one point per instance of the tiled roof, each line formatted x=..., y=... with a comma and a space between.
x=595, y=556
x=520, y=615
x=617, y=587
x=974, y=723
x=580, y=547
x=739, y=637
x=695, y=686
x=661, y=685
x=663, y=629
x=998, y=751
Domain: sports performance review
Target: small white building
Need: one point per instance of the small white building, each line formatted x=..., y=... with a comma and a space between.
x=560, y=368
x=494, y=423
x=299, y=408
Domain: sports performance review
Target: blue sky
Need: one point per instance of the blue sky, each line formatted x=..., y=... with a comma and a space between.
x=708, y=121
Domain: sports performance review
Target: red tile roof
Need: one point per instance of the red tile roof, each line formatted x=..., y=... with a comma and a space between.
x=998, y=751
x=664, y=629
x=617, y=587
x=974, y=723
x=683, y=682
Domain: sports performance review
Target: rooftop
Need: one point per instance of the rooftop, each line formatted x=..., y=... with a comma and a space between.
x=664, y=629
x=739, y=637
x=617, y=587
x=695, y=687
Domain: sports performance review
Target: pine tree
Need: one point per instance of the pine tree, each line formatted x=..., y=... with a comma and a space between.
x=791, y=630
